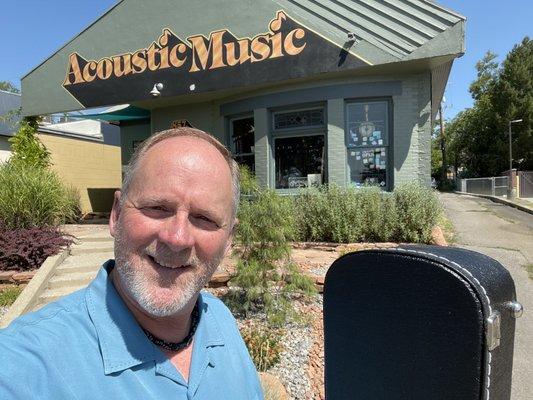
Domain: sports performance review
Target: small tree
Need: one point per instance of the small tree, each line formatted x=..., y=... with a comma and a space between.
x=8, y=87
x=27, y=149
x=265, y=277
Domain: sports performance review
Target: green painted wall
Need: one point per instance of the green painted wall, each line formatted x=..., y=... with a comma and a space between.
x=203, y=116
x=412, y=130
x=129, y=133
x=335, y=142
x=411, y=125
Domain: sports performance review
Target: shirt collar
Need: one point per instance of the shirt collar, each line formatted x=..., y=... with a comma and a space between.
x=122, y=342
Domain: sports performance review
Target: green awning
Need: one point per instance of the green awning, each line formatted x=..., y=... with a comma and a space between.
x=119, y=113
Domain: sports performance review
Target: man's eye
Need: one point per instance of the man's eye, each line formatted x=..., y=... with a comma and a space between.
x=206, y=221
x=155, y=210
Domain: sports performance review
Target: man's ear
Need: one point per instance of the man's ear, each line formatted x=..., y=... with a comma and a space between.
x=115, y=213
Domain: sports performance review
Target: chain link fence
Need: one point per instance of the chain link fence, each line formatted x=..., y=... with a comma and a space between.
x=492, y=186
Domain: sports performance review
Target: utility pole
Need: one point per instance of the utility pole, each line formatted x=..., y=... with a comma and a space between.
x=442, y=145
x=511, y=190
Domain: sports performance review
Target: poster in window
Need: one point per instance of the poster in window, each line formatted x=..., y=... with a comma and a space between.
x=367, y=124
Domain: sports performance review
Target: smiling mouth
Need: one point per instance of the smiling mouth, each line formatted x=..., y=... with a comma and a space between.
x=162, y=264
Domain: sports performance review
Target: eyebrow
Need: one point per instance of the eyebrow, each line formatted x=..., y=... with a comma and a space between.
x=195, y=209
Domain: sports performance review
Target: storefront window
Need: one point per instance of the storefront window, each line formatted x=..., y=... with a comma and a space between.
x=299, y=119
x=367, y=139
x=242, y=137
x=299, y=161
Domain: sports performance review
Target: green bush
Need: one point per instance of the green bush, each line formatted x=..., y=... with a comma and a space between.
x=263, y=343
x=446, y=185
x=249, y=184
x=9, y=294
x=344, y=215
x=266, y=278
x=33, y=196
x=418, y=211
x=27, y=149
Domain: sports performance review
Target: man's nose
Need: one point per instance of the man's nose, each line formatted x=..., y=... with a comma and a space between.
x=177, y=232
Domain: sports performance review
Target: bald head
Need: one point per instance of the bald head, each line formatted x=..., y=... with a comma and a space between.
x=192, y=135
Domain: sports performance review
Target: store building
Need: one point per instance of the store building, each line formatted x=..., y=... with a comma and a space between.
x=302, y=91
x=9, y=118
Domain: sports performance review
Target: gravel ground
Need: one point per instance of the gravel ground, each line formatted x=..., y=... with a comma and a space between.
x=3, y=310
x=292, y=368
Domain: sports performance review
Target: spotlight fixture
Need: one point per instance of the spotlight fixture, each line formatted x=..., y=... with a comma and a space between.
x=352, y=37
x=156, y=90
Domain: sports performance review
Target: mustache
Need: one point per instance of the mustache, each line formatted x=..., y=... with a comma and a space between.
x=164, y=255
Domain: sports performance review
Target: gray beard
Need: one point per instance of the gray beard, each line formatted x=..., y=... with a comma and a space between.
x=139, y=291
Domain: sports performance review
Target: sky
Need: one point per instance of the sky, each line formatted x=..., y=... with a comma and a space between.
x=32, y=30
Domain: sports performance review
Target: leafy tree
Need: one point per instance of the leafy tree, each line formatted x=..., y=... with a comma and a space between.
x=513, y=99
x=26, y=147
x=487, y=71
x=478, y=137
x=8, y=87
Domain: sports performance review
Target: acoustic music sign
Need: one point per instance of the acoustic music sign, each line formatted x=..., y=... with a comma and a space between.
x=287, y=51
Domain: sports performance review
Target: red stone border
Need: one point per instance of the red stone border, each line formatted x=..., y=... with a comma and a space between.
x=16, y=276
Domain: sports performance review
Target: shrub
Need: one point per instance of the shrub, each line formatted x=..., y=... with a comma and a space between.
x=321, y=214
x=27, y=149
x=344, y=215
x=446, y=185
x=24, y=249
x=33, y=196
x=9, y=294
x=248, y=181
x=265, y=278
x=418, y=211
x=263, y=343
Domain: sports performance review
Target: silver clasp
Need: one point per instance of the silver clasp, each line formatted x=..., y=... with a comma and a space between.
x=493, y=330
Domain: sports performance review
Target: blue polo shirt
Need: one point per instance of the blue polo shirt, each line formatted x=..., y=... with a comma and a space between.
x=88, y=346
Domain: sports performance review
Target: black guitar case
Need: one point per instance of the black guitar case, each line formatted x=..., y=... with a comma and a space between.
x=418, y=323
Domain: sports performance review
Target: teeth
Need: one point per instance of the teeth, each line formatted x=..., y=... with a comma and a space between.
x=164, y=264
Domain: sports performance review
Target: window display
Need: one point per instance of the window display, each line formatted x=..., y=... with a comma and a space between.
x=243, y=140
x=367, y=124
x=367, y=140
x=368, y=166
x=299, y=161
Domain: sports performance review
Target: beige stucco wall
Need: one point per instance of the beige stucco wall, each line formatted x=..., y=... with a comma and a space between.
x=5, y=149
x=89, y=166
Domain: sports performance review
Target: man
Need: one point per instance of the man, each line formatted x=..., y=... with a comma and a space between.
x=142, y=329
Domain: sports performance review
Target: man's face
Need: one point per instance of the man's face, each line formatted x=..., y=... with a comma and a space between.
x=174, y=226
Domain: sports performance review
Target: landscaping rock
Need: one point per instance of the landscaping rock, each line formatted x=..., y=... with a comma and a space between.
x=272, y=387
x=23, y=277
x=292, y=368
x=7, y=276
x=437, y=237
x=220, y=277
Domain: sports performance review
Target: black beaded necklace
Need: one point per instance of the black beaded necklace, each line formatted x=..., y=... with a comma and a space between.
x=195, y=319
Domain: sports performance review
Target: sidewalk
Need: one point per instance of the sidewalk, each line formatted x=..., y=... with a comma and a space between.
x=523, y=204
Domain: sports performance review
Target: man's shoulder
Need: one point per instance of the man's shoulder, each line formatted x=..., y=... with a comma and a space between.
x=53, y=321
x=216, y=306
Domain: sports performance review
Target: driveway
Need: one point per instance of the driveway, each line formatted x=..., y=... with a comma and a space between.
x=505, y=234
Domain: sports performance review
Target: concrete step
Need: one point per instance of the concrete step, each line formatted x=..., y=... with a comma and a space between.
x=76, y=269
x=91, y=247
x=81, y=267
x=77, y=279
x=82, y=261
x=95, y=239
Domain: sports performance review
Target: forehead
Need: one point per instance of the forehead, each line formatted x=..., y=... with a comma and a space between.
x=183, y=163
